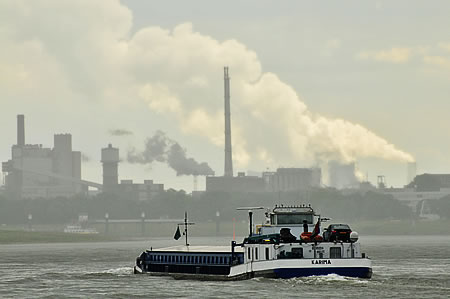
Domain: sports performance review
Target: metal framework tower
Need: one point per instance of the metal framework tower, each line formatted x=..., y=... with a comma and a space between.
x=228, y=152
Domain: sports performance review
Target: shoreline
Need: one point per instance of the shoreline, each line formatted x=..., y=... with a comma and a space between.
x=17, y=235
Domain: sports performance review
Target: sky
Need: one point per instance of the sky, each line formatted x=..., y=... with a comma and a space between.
x=352, y=81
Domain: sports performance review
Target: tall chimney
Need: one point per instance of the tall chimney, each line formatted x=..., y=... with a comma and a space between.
x=411, y=172
x=20, y=130
x=228, y=153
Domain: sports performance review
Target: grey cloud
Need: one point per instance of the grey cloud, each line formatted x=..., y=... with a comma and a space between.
x=120, y=132
x=161, y=148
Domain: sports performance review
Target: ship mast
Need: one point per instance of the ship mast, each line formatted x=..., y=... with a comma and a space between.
x=186, y=224
x=250, y=217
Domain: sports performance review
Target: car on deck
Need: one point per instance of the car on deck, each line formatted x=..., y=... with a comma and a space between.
x=337, y=232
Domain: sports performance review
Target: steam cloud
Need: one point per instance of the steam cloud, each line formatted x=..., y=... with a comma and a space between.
x=120, y=132
x=178, y=74
x=160, y=148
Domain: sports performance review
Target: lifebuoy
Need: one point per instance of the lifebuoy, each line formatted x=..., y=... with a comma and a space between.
x=306, y=237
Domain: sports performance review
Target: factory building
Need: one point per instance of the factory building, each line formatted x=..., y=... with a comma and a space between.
x=282, y=180
x=342, y=176
x=292, y=179
x=126, y=189
x=110, y=161
x=228, y=182
x=240, y=183
x=428, y=182
x=36, y=171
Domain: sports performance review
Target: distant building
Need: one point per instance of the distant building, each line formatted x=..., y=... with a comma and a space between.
x=292, y=179
x=110, y=161
x=126, y=188
x=342, y=176
x=284, y=179
x=240, y=183
x=146, y=191
x=35, y=171
x=430, y=182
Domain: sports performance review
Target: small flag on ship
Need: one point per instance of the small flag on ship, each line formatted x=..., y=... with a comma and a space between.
x=177, y=233
x=316, y=230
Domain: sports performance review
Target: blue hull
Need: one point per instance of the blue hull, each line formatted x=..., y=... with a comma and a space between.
x=360, y=272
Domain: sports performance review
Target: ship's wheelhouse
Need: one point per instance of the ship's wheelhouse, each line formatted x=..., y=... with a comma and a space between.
x=290, y=215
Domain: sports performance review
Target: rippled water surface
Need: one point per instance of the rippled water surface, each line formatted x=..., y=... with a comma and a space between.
x=404, y=267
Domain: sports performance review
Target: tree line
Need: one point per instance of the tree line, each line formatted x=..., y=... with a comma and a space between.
x=202, y=206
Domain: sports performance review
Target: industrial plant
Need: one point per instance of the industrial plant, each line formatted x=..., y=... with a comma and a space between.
x=282, y=180
x=126, y=188
x=35, y=171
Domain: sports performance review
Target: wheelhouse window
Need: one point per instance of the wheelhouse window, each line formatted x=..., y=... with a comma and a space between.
x=294, y=218
x=267, y=253
x=248, y=253
x=256, y=253
x=335, y=253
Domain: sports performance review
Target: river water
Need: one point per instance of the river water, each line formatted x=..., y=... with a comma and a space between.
x=403, y=267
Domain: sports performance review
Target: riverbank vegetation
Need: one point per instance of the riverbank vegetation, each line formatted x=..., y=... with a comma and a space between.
x=369, y=213
x=202, y=207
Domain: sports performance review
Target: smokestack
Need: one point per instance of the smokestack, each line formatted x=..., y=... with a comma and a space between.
x=228, y=154
x=20, y=130
x=411, y=172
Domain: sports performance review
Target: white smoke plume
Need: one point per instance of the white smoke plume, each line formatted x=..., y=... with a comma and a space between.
x=179, y=73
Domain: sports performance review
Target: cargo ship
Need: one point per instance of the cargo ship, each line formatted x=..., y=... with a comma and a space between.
x=290, y=243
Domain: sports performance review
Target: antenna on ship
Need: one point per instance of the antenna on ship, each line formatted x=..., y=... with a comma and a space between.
x=250, y=216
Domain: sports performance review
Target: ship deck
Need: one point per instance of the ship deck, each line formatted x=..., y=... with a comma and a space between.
x=198, y=249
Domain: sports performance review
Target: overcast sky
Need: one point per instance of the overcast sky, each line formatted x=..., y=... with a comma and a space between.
x=364, y=81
